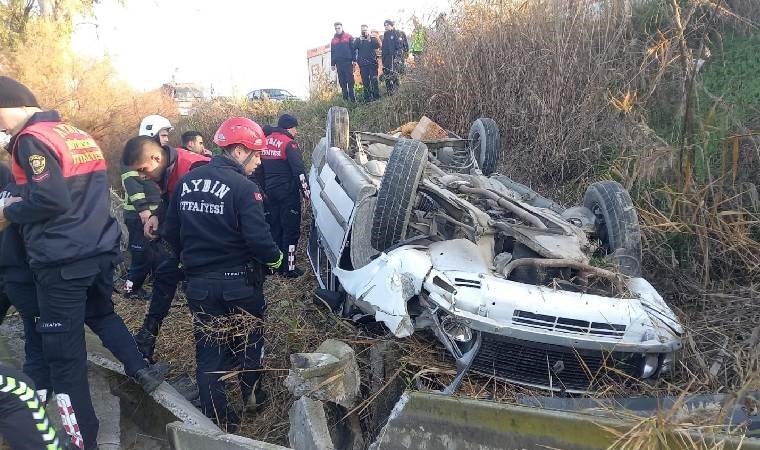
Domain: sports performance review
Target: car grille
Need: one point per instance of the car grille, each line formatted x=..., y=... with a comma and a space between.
x=571, y=369
x=567, y=325
x=465, y=282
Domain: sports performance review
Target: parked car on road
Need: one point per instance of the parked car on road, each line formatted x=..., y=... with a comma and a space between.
x=276, y=95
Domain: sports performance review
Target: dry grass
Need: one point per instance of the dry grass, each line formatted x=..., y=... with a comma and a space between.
x=545, y=71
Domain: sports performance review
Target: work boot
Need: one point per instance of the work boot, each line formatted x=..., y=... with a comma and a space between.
x=152, y=376
x=186, y=387
x=146, y=338
x=138, y=294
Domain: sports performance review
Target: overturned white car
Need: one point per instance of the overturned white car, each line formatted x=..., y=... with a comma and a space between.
x=421, y=235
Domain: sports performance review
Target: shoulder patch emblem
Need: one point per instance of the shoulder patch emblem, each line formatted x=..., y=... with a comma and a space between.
x=258, y=196
x=37, y=163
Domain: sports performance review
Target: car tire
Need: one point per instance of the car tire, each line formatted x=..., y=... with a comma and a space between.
x=398, y=192
x=617, y=224
x=361, y=250
x=485, y=144
x=337, y=128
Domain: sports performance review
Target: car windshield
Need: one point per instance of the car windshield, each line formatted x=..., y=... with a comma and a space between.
x=276, y=92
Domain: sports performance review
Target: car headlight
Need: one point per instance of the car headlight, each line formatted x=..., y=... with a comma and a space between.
x=651, y=363
x=456, y=330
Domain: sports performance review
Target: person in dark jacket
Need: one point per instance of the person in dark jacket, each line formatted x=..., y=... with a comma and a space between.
x=285, y=182
x=366, y=56
x=395, y=49
x=164, y=165
x=342, y=57
x=215, y=222
x=72, y=244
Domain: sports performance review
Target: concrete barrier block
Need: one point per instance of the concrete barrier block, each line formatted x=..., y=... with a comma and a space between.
x=437, y=422
x=188, y=437
x=308, y=426
x=329, y=374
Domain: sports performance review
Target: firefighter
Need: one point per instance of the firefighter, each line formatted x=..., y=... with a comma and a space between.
x=72, y=245
x=157, y=127
x=285, y=183
x=165, y=165
x=139, y=205
x=215, y=221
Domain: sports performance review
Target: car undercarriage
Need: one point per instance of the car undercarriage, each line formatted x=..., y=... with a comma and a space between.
x=423, y=235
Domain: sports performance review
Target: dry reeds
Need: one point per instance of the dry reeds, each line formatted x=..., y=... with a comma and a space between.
x=544, y=70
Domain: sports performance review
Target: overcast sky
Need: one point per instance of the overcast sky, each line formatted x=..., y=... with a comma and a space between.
x=237, y=46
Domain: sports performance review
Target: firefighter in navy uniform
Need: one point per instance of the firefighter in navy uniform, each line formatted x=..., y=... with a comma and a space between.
x=72, y=244
x=215, y=222
x=165, y=165
x=284, y=183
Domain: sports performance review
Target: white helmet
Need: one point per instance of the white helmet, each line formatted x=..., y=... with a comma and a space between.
x=151, y=125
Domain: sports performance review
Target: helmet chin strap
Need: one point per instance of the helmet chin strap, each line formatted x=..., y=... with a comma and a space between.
x=245, y=161
x=248, y=159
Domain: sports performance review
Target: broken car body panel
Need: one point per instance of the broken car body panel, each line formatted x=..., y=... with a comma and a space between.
x=490, y=304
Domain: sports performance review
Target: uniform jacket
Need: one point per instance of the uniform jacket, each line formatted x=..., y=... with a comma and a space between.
x=139, y=193
x=282, y=165
x=65, y=213
x=395, y=47
x=215, y=220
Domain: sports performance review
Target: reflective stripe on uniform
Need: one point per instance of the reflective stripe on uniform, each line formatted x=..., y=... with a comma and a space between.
x=131, y=207
x=131, y=173
x=28, y=397
x=276, y=264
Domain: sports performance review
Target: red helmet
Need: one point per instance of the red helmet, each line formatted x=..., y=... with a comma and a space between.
x=240, y=130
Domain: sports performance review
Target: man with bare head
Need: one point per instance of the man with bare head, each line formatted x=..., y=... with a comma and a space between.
x=163, y=165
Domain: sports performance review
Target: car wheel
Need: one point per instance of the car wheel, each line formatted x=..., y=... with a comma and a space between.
x=617, y=224
x=337, y=128
x=398, y=193
x=485, y=144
